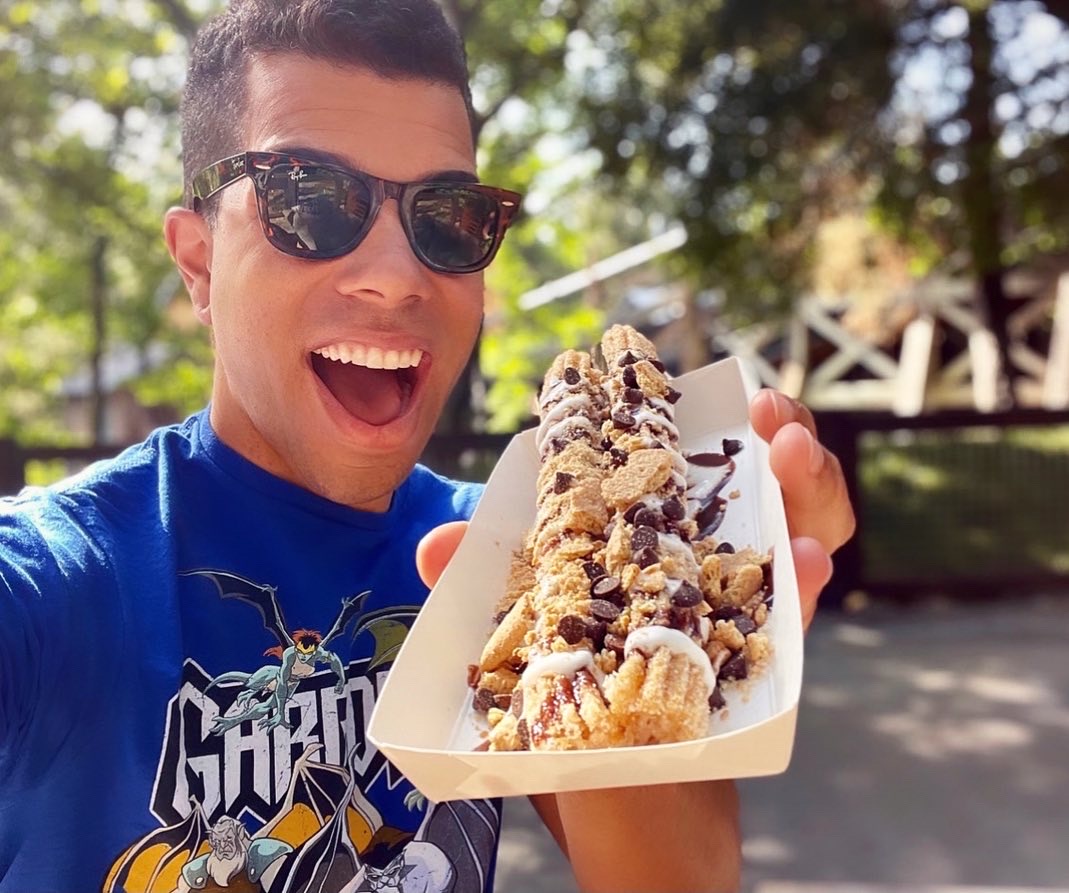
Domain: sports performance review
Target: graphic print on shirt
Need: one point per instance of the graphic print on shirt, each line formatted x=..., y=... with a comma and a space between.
x=266, y=782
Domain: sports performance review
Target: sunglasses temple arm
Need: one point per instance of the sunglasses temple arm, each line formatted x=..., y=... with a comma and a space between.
x=232, y=173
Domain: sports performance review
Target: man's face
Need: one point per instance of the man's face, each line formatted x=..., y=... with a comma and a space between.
x=344, y=431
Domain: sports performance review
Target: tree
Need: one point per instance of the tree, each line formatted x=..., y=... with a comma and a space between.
x=762, y=116
x=90, y=101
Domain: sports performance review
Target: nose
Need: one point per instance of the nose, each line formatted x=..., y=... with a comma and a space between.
x=383, y=265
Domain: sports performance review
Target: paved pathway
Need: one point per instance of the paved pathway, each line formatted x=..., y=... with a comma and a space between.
x=932, y=755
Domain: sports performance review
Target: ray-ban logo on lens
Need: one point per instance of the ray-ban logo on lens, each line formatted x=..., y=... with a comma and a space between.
x=297, y=174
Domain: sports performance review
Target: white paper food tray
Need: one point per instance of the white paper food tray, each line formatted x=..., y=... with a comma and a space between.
x=423, y=721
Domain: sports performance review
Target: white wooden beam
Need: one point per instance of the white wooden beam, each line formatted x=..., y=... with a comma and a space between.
x=914, y=366
x=1056, y=378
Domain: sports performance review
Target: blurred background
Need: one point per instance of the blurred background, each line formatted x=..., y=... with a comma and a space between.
x=867, y=200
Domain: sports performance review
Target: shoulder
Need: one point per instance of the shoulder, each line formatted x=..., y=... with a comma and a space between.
x=72, y=524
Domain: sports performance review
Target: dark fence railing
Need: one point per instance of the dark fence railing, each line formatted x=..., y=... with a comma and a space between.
x=957, y=502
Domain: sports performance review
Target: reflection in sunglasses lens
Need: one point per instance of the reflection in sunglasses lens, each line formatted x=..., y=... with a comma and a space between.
x=313, y=210
x=454, y=226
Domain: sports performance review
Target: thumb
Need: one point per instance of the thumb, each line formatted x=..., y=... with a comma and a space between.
x=436, y=548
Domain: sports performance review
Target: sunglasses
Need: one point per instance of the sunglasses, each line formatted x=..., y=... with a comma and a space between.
x=318, y=211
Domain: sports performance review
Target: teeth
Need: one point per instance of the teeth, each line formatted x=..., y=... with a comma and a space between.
x=371, y=357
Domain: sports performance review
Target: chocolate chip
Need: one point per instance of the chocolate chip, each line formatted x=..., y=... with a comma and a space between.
x=633, y=396
x=606, y=443
x=572, y=629
x=687, y=595
x=601, y=609
x=658, y=365
x=593, y=570
x=645, y=557
x=503, y=701
x=483, y=700
x=627, y=359
x=745, y=625
x=735, y=668
x=596, y=630
x=673, y=509
x=619, y=457
x=516, y=702
x=673, y=396
x=630, y=377
x=562, y=482
x=648, y=517
x=731, y=447
x=605, y=587
x=556, y=444
x=643, y=537
x=524, y=733
x=571, y=375
x=473, y=675
x=615, y=643
x=725, y=548
x=629, y=515
x=623, y=419
x=716, y=699
x=726, y=612
x=499, y=616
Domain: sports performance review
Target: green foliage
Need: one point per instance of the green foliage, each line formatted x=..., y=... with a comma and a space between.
x=971, y=503
x=88, y=109
x=182, y=384
x=749, y=121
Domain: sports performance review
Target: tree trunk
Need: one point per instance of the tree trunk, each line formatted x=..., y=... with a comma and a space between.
x=459, y=415
x=98, y=299
x=979, y=191
x=695, y=351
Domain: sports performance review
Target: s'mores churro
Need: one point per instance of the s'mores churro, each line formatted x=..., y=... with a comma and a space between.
x=624, y=613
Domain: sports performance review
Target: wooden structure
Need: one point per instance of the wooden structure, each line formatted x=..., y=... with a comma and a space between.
x=945, y=357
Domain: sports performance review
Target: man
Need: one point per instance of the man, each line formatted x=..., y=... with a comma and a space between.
x=138, y=601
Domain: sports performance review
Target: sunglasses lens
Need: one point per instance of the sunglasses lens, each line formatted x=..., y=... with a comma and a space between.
x=315, y=211
x=455, y=228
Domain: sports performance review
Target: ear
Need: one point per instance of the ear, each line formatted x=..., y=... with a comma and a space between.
x=189, y=239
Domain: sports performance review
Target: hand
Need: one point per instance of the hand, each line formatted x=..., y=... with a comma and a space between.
x=815, y=497
x=436, y=548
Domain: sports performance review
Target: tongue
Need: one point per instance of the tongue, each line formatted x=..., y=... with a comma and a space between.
x=375, y=396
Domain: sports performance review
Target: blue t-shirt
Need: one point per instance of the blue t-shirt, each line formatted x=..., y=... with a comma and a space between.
x=190, y=649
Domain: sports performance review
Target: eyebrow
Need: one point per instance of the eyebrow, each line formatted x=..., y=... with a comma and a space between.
x=324, y=157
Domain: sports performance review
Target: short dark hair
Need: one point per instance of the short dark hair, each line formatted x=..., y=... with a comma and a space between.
x=393, y=39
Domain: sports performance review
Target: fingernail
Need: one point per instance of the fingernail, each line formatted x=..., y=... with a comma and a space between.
x=816, y=456
x=782, y=408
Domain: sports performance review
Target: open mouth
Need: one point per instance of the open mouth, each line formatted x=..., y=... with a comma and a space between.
x=372, y=384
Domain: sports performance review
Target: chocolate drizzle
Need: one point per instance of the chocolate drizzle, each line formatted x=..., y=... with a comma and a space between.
x=704, y=502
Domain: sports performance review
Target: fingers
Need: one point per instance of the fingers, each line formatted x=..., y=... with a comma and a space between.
x=770, y=410
x=436, y=548
x=812, y=566
x=814, y=489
